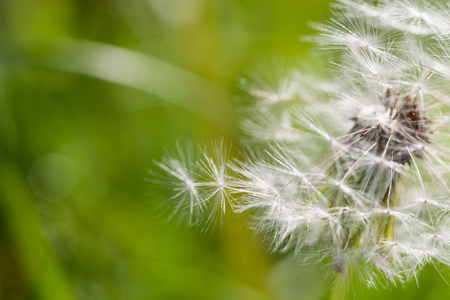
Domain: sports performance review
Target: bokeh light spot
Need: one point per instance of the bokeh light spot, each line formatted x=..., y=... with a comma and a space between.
x=53, y=177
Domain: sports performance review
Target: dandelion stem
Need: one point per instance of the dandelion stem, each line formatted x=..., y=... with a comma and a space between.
x=341, y=288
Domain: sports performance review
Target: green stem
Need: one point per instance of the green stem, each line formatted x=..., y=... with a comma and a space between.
x=341, y=288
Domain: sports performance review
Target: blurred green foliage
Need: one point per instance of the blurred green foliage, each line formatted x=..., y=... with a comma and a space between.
x=91, y=92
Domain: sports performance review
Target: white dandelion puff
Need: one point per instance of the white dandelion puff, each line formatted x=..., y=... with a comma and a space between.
x=351, y=170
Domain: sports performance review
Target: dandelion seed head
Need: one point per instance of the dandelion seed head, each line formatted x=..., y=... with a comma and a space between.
x=355, y=167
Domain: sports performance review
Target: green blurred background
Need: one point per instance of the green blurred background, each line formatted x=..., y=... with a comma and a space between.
x=91, y=93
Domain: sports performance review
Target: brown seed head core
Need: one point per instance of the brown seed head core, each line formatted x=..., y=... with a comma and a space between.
x=398, y=134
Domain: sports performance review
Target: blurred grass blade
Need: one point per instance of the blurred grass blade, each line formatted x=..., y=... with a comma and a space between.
x=42, y=266
x=148, y=74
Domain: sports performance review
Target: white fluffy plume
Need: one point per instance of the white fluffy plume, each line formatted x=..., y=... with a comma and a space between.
x=355, y=167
